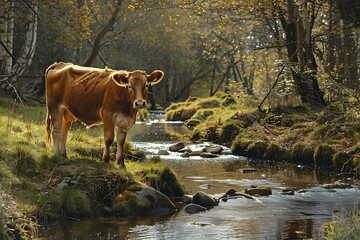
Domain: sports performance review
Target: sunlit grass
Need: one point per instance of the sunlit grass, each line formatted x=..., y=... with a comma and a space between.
x=345, y=225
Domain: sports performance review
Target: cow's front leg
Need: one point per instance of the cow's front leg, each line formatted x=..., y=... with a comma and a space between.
x=108, y=138
x=121, y=136
x=67, y=120
x=56, y=122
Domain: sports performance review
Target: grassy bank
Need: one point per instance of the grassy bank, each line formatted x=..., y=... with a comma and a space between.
x=328, y=137
x=37, y=186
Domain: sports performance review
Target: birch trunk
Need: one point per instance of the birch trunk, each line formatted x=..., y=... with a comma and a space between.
x=6, y=36
x=28, y=49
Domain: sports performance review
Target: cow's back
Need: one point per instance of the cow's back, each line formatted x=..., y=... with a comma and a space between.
x=78, y=89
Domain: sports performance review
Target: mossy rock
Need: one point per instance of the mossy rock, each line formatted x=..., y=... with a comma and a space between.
x=142, y=201
x=274, y=152
x=230, y=130
x=209, y=103
x=256, y=150
x=180, y=114
x=302, y=154
x=341, y=161
x=263, y=190
x=323, y=155
x=239, y=146
x=204, y=199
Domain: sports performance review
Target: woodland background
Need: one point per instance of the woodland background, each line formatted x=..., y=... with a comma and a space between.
x=296, y=51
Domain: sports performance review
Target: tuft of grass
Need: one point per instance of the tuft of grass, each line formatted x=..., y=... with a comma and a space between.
x=25, y=163
x=74, y=203
x=345, y=225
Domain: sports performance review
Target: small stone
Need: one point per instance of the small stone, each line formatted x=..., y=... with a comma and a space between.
x=196, y=153
x=163, y=152
x=185, y=155
x=185, y=149
x=176, y=147
x=213, y=149
x=194, y=208
x=248, y=170
x=187, y=198
x=263, y=190
x=204, y=199
x=208, y=155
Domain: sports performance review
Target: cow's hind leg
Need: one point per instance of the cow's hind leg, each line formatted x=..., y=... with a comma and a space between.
x=67, y=120
x=121, y=136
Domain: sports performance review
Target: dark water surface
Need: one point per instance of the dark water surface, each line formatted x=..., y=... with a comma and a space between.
x=278, y=216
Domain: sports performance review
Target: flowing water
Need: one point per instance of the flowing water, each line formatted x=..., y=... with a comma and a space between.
x=278, y=216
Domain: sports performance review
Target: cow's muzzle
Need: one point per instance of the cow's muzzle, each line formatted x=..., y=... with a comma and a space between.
x=140, y=104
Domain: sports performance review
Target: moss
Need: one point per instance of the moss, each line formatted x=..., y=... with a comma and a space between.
x=230, y=130
x=256, y=150
x=274, y=152
x=323, y=155
x=239, y=146
x=302, y=154
x=74, y=203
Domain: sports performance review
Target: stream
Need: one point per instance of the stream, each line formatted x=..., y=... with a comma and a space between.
x=278, y=216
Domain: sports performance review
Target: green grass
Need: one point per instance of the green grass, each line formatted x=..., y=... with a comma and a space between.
x=345, y=225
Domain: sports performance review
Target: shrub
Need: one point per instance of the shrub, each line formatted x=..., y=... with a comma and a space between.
x=25, y=163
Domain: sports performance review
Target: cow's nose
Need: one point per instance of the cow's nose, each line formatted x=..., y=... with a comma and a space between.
x=140, y=104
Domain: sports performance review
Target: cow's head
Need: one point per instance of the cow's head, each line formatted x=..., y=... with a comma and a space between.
x=137, y=84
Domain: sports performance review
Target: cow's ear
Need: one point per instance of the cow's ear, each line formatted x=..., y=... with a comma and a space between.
x=155, y=77
x=120, y=78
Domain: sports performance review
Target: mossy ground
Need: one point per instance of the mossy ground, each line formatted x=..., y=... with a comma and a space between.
x=300, y=135
x=42, y=186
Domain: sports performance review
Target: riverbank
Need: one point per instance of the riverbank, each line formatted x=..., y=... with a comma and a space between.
x=37, y=186
x=328, y=137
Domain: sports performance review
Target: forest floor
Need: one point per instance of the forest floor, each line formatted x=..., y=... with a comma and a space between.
x=328, y=137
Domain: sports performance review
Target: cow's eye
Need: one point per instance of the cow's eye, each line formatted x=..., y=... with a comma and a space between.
x=147, y=85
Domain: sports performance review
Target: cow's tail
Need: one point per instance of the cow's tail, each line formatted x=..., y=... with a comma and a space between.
x=48, y=127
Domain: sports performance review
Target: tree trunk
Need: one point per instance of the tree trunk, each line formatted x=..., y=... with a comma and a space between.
x=108, y=26
x=6, y=36
x=28, y=49
x=300, y=53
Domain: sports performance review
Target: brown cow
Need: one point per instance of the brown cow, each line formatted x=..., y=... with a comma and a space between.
x=94, y=96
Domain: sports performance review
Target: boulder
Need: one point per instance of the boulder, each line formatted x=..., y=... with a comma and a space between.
x=176, y=147
x=204, y=199
x=262, y=190
x=142, y=201
x=213, y=149
x=194, y=208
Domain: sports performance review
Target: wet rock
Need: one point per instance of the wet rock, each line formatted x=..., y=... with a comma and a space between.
x=204, y=199
x=248, y=170
x=176, y=147
x=185, y=155
x=206, y=186
x=187, y=198
x=208, y=155
x=213, y=149
x=229, y=193
x=288, y=191
x=185, y=149
x=196, y=153
x=227, y=152
x=337, y=184
x=194, y=208
x=163, y=152
x=262, y=190
x=142, y=201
